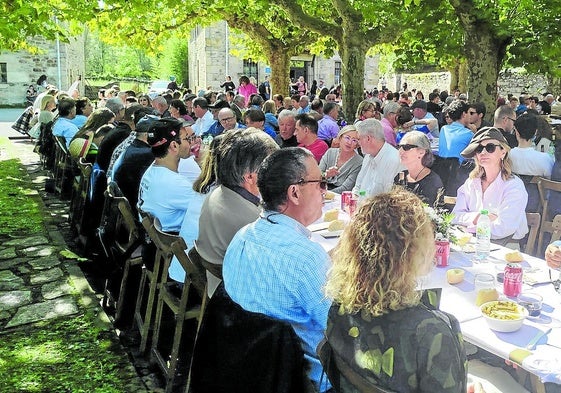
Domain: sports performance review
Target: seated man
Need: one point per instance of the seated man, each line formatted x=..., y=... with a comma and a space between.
x=235, y=202
x=256, y=118
x=163, y=192
x=527, y=162
x=306, y=132
x=63, y=126
x=287, y=126
x=271, y=266
x=422, y=120
x=328, y=128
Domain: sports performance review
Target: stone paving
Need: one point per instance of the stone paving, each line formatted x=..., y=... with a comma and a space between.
x=37, y=283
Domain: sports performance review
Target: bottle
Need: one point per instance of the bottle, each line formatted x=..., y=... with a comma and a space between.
x=361, y=197
x=483, y=236
x=551, y=150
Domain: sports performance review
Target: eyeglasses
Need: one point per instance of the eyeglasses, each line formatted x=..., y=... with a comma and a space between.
x=510, y=118
x=490, y=147
x=349, y=139
x=322, y=182
x=227, y=118
x=190, y=138
x=406, y=147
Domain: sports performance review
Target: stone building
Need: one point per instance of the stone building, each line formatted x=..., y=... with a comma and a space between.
x=62, y=63
x=211, y=59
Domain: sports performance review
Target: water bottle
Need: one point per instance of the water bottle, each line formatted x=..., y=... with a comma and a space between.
x=551, y=150
x=483, y=236
x=361, y=197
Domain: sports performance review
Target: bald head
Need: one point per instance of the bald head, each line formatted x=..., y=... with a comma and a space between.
x=227, y=118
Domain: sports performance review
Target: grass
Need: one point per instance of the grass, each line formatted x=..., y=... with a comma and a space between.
x=74, y=354
x=70, y=355
x=20, y=213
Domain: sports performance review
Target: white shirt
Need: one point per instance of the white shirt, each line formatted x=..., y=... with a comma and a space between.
x=203, y=124
x=377, y=172
x=528, y=161
x=189, y=168
x=505, y=198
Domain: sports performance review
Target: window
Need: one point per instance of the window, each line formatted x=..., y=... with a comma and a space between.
x=250, y=69
x=3, y=73
x=337, y=72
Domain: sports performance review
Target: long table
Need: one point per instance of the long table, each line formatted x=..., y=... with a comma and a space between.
x=545, y=360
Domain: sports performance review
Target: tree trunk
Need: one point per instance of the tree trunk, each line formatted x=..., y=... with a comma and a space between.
x=454, y=78
x=553, y=85
x=462, y=76
x=280, y=71
x=353, y=56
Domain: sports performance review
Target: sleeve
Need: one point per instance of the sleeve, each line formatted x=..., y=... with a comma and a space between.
x=350, y=180
x=441, y=357
x=323, y=163
x=360, y=176
x=511, y=209
x=463, y=210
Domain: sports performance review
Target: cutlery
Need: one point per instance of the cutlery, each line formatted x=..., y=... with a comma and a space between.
x=532, y=344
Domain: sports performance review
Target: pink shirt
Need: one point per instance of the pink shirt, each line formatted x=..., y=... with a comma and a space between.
x=317, y=148
x=247, y=91
x=389, y=133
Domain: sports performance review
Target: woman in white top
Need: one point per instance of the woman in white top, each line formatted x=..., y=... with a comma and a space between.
x=492, y=186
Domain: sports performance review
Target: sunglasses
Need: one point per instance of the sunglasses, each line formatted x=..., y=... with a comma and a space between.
x=406, y=147
x=322, y=182
x=490, y=147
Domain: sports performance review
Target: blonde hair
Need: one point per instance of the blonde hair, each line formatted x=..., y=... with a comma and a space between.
x=45, y=100
x=269, y=107
x=387, y=245
x=506, y=165
x=346, y=130
x=364, y=106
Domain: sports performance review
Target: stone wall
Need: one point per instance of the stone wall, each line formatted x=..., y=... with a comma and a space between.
x=24, y=68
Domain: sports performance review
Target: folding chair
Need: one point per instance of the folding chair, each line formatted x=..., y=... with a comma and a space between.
x=533, y=220
x=549, y=224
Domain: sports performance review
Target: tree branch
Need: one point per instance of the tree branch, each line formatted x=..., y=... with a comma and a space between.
x=304, y=20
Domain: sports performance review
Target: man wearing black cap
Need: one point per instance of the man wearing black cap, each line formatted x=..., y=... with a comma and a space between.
x=163, y=192
x=422, y=120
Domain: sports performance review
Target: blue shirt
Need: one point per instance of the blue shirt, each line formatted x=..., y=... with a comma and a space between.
x=453, y=139
x=64, y=127
x=272, y=267
x=327, y=128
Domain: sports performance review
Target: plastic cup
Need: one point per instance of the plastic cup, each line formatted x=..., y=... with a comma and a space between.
x=532, y=302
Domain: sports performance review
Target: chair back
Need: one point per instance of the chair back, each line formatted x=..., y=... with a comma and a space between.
x=163, y=241
x=534, y=220
x=534, y=204
x=195, y=273
x=550, y=195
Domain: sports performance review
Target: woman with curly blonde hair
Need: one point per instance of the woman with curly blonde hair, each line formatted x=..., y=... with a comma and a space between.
x=378, y=331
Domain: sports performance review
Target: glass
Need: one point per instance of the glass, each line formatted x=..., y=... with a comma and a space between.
x=532, y=302
x=490, y=148
x=485, y=288
x=406, y=147
x=190, y=138
x=227, y=118
x=322, y=182
x=349, y=139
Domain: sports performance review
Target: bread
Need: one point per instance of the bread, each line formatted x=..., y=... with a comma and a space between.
x=455, y=276
x=331, y=215
x=336, y=225
x=329, y=196
x=514, y=256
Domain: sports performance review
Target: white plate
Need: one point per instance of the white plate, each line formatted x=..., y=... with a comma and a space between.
x=320, y=226
x=329, y=234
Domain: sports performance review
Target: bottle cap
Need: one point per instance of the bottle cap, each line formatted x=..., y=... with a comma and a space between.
x=362, y=193
x=484, y=212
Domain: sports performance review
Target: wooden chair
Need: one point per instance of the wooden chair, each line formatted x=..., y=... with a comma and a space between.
x=449, y=200
x=63, y=168
x=187, y=305
x=151, y=276
x=78, y=201
x=546, y=187
x=125, y=252
x=533, y=220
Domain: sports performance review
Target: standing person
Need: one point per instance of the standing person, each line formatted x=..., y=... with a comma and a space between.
x=228, y=85
x=313, y=90
x=300, y=86
x=265, y=89
x=376, y=307
x=491, y=185
x=246, y=89
x=271, y=265
x=381, y=160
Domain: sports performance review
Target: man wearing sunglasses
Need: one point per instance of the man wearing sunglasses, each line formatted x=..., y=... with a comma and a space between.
x=271, y=266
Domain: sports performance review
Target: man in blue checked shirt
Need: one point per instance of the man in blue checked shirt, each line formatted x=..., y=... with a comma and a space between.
x=271, y=266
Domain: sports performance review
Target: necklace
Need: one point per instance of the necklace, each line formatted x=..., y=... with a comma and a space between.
x=419, y=173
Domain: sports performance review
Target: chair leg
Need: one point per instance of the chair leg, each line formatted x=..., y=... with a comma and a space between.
x=148, y=315
x=125, y=287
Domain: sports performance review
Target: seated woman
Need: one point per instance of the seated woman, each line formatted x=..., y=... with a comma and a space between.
x=492, y=186
x=416, y=155
x=341, y=165
x=378, y=331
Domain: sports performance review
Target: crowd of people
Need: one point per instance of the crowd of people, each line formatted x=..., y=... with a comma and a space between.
x=240, y=173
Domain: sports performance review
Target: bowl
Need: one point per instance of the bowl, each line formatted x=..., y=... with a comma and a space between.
x=503, y=315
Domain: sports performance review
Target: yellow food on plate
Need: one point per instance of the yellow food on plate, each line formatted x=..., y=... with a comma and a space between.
x=336, y=225
x=329, y=195
x=463, y=240
x=486, y=295
x=503, y=310
x=455, y=276
x=331, y=215
x=514, y=256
